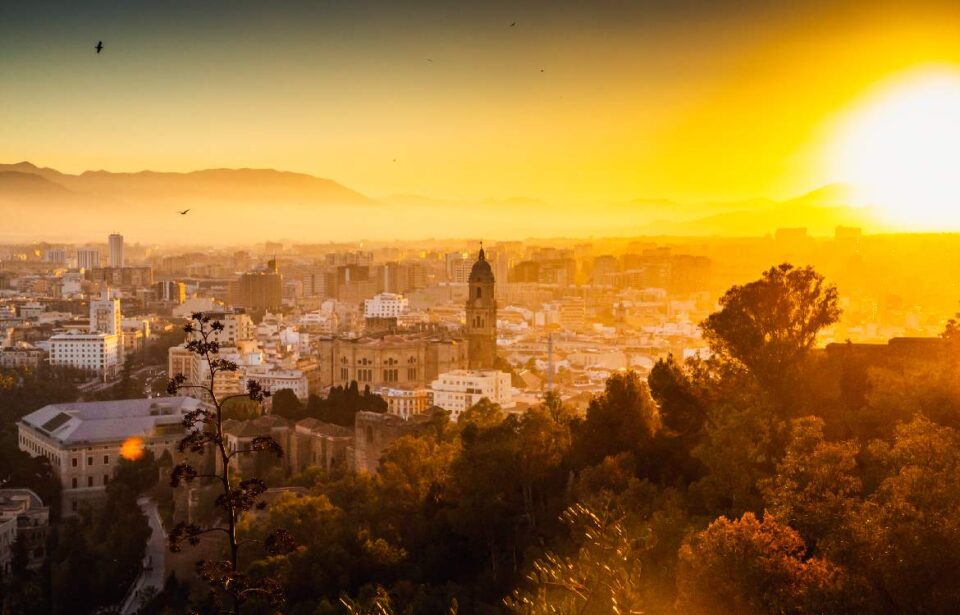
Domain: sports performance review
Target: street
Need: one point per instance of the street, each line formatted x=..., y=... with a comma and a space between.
x=155, y=554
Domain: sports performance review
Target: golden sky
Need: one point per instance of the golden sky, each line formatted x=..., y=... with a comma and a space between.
x=580, y=101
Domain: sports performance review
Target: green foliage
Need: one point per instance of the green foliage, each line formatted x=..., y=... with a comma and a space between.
x=339, y=407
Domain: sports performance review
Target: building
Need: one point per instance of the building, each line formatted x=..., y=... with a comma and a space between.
x=83, y=440
x=126, y=277
x=458, y=390
x=273, y=379
x=406, y=403
x=55, y=255
x=99, y=353
x=23, y=517
x=21, y=355
x=260, y=291
x=116, y=250
x=403, y=361
x=481, y=314
x=315, y=443
x=105, y=315
x=88, y=259
x=170, y=292
x=385, y=305
x=374, y=432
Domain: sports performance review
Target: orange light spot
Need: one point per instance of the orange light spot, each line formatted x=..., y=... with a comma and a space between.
x=132, y=448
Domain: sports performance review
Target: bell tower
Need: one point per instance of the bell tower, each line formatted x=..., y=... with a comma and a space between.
x=481, y=308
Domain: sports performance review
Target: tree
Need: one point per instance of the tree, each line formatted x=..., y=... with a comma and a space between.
x=601, y=577
x=816, y=485
x=768, y=325
x=905, y=537
x=622, y=418
x=286, y=404
x=205, y=432
x=748, y=566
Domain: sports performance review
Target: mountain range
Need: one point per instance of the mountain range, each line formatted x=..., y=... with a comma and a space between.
x=238, y=205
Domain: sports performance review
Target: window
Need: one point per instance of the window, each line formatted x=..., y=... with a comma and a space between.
x=106, y=459
x=479, y=292
x=75, y=461
x=73, y=504
x=89, y=461
x=74, y=486
x=89, y=481
x=106, y=479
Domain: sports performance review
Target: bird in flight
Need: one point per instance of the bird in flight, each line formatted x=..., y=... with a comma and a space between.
x=184, y=212
x=513, y=24
x=99, y=46
x=430, y=60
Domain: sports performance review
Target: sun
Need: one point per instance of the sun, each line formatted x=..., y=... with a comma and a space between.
x=899, y=149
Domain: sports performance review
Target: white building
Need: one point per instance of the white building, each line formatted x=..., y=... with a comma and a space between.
x=405, y=403
x=105, y=315
x=83, y=440
x=116, y=250
x=385, y=305
x=273, y=380
x=93, y=352
x=458, y=390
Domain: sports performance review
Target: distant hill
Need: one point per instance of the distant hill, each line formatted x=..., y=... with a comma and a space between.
x=226, y=204
x=242, y=205
x=210, y=184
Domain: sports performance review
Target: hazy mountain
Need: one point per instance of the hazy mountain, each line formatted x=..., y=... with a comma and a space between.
x=210, y=184
x=225, y=204
x=820, y=211
x=242, y=205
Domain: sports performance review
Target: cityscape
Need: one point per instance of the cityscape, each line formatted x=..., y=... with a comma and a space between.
x=679, y=335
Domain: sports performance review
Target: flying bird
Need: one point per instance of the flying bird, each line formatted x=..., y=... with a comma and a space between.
x=430, y=60
x=513, y=24
x=99, y=46
x=184, y=212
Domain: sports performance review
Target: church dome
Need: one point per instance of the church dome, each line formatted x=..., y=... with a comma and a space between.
x=481, y=271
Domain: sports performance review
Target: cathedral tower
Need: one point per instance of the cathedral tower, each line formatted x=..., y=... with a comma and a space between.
x=481, y=329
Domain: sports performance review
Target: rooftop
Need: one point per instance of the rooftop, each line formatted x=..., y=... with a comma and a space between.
x=108, y=421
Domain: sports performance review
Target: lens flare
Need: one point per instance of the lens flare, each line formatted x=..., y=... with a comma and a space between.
x=132, y=448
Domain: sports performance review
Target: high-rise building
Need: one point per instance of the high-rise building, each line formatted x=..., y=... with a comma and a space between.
x=55, y=255
x=481, y=311
x=105, y=315
x=87, y=259
x=261, y=290
x=170, y=291
x=116, y=250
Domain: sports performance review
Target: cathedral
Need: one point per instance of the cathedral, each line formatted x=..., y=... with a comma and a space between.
x=481, y=326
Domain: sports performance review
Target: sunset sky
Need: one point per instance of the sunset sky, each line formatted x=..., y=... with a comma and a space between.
x=635, y=99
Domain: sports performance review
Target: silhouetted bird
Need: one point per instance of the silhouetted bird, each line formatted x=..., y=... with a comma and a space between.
x=184, y=212
x=513, y=24
x=541, y=70
x=429, y=59
x=99, y=46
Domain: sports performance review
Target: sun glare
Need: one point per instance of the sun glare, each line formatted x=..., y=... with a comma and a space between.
x=900, y=151
x=132, y=448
